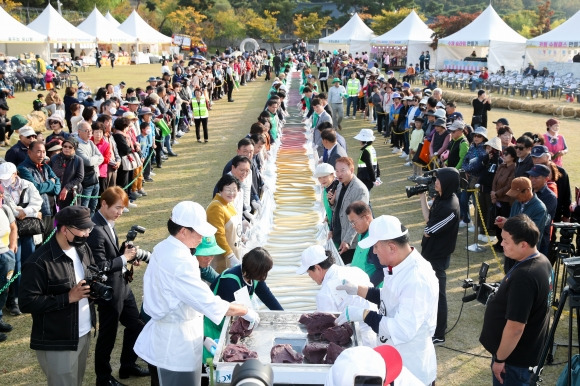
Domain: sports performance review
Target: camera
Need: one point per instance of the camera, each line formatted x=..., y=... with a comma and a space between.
x=253, y=373
x=423, y=184
x=483, y=290
x=95, y=278
x=141, y=255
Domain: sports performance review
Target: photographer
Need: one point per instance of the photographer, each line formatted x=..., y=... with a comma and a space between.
x=481, y=105
x=55, y=293
x=104, y=244
x=440, y=236
x=517, y=317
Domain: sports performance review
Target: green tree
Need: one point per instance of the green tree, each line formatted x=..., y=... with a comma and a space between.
x=227, y=26
x=522, y=21
x=310, y=27
x=262, y=27
x=387, y=20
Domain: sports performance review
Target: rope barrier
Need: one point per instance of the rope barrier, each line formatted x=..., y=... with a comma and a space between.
x=77, y=195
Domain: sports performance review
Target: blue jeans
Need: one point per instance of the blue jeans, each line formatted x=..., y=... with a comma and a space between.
x=90, y=203
x=464, y=206
x=7, y=263
x=167, y=143
x=351, y=100
x=514, y=376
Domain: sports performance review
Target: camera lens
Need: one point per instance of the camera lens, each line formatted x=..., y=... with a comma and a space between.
x=101, y=291
x=253, y=373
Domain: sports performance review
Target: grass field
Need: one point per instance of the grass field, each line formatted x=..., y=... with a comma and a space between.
x=192, y=175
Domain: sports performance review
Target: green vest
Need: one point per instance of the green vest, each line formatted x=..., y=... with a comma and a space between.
x=314, y=120
x=360, y=259
x=199, y=109
x=373, y=152
x=352, y=87
x=274, y=124
x=210, y=329
x=327, y=206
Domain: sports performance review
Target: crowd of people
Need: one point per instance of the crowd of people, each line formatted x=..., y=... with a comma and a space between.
x=93, y=166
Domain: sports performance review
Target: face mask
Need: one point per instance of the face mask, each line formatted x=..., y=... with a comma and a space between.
x=94, y=118
x=77, y=241
x=113, y=110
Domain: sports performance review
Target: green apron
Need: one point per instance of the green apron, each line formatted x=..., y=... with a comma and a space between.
x=327, y=206
x=360, y=259
x=210, y=329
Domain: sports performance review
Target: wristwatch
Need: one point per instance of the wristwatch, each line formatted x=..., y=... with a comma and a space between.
x=495, y=360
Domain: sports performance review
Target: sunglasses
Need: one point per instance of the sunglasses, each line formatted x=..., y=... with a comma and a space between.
x=520, y=148
x=68, y=147
x=31, y=136
x=53, y=122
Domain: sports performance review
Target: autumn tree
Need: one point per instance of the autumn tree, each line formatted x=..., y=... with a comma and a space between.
x=545, y=14
x=262, y=27
x=310, y=27
x=186, y=20
x=447, y=25
x=388, y=20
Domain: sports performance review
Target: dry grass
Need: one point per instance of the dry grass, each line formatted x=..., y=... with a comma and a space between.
x=193, y=174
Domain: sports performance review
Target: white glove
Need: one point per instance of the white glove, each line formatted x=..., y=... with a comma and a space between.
x=252, y=317
x=351, y=314
x=257, y=206
x=232, y=260
x=348, y=287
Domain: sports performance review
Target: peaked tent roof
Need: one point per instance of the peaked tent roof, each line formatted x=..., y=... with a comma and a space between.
x=485, y=28
x=136, y=26
x=96, y=24
x=15, y=32
x=354, y=30
x=411, y=29
x=565, y=32
x=110, y=18
x=53, y=25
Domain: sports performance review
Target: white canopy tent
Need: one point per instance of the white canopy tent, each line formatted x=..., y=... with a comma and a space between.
x=558, y=45
x=412, y=33
x=489, y=36
x=111, y=19
x=57, y=29
x=354, y=36
x=16, y=38
x=135, y=26
x=105, y=32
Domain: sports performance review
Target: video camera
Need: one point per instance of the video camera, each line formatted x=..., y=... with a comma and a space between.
x=423, y=183
x=567, y=230
x=95, y=278
x=141, y=255
x=483, y=290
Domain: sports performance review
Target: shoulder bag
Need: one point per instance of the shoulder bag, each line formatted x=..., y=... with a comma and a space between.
x=28, y=226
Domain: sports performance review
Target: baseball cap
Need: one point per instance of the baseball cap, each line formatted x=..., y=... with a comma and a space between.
x=396, y=95
x=208, y=247
x=322, y=170
x=75, y=216
x=26, y=131
x=7, y=169
x=384, y=227
x=539, y=170
x=129, y=115
x=81, y=85
x=311, y=256
x=406, y=84
x=503, y=121
x=519, y=185
x=539, y=150
x=393, y=361
x=456, y=125
x=456, y=115
x=423, y=101
x=192, y=215
x=365, y=135
x=353, y=362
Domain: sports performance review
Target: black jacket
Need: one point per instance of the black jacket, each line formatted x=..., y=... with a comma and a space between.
x=47, y=278
x=443, y=218
x=108, y=258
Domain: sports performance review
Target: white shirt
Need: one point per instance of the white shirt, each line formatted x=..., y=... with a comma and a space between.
x=176, y=299
x=84, y=309
x=409, y=300
x=335, y=94
x=329, y=299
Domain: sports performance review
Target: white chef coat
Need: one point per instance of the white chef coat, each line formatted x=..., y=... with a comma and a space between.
x=329, y=299
x=409, y=300
x=176, y=299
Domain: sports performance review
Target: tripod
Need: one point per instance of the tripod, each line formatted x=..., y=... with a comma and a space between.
x=562, y=249
x=572, y=290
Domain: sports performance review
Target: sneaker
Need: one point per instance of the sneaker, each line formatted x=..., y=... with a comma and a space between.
x=148, y=179
x=33, y=90
x=437, y=341
x=462, y=224
x=471, y=229
x=142, y=192
x=5, y=327
x=487, y=239
x=14, y=310
x=132, y=204
x=408, y=163
x=151, y=174
x=396, y=150
x=403, y=155
x=354, y=117
x=174, y=142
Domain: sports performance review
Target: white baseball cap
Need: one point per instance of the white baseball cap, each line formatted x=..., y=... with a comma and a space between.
x=192, y=215
x=365, y=135
x=353, y=362
x=323, y=170
x=311, y=256
x=26, y=131
x=7, y=169
x=384, y=227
